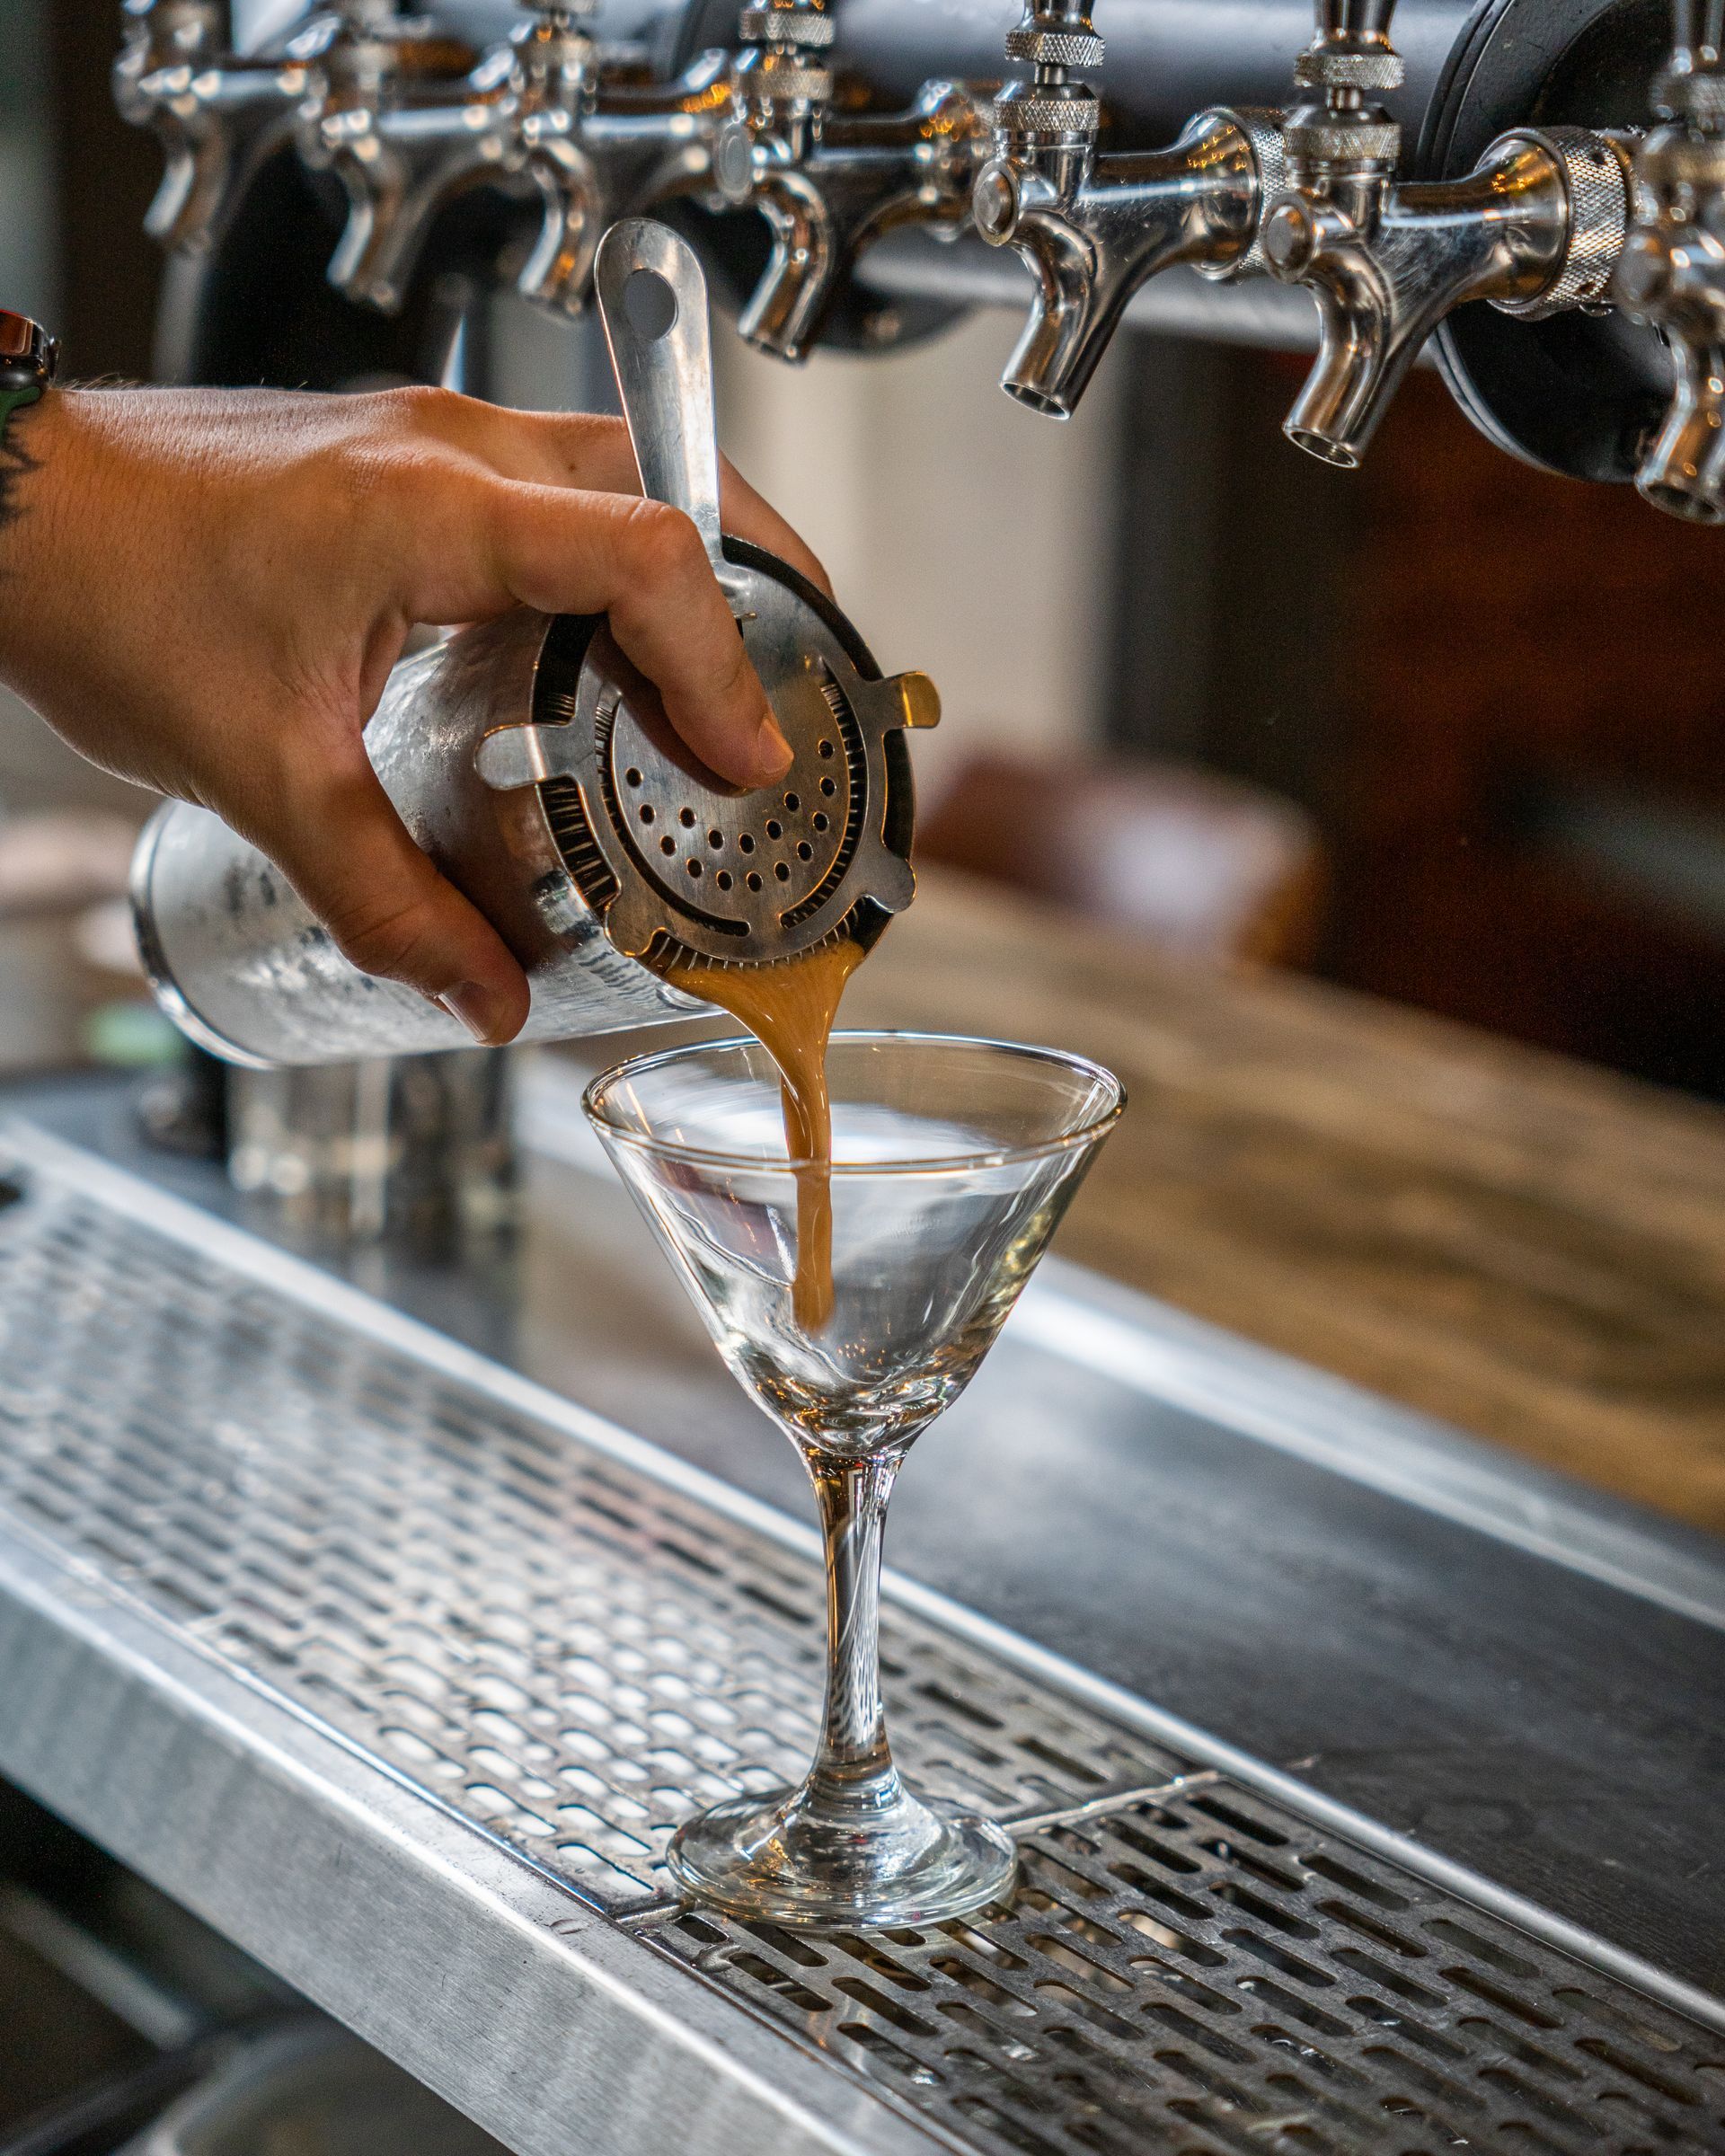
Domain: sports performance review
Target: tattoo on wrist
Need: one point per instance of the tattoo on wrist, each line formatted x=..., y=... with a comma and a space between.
x=16, y=462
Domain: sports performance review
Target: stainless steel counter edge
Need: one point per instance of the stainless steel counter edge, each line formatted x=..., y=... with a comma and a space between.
x=508, y=1996
x=350, y=1307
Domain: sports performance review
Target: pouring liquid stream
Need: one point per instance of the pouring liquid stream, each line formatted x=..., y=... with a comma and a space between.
x=790, y=1007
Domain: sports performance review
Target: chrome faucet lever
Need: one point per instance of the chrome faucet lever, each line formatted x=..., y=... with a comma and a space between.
x=1535, y=229
x=830, y=184
x=218, y=117
x=536, y=115
x=1673, y=270
x=1092, y=230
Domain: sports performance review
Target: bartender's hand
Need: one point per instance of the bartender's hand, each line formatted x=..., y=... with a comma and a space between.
x=204, y=590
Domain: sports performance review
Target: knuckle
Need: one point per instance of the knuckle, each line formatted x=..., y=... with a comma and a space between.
x=424, y=408
x=661, y=543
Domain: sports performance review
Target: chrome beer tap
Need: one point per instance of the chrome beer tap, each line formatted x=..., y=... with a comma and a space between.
x=829, y=185
x=535, y=116
x=1535, y=229
x=1673, y=270
x=1092, y=230
x=600, y=151
x=217, y=116
x=401, y=153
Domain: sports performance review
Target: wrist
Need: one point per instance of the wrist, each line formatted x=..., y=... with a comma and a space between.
x=36, y=450
x=28, y=359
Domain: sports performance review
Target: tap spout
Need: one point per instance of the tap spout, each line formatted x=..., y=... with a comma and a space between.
x=828, y=200
x=1673, y=270
x=394, y=112
x=1683, y=470
x=1534, y=228
x=1093, y=232
x=609, y=153
x=399, y=168
x=217, y=118
x=1386, y=264
x=1672, y=273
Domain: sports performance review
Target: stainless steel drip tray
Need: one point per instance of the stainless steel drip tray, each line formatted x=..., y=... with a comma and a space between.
x=400, y=1671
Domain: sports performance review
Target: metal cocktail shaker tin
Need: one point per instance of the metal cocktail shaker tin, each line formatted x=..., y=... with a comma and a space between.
x=243, y=968
x=537, y=769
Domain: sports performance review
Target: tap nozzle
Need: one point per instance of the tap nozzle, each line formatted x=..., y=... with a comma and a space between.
x=1092, y=230
x=405, y=140
x=218, y=117
x=1673, y=270
x=599, y=150
x=830, y=185
x=536, y=117
x=1535, y=229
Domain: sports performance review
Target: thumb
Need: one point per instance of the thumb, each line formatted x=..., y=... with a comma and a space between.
x=335, y=834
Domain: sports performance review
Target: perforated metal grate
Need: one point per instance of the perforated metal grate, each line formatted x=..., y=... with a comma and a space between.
x=1207, y=1972
x=575, y=1655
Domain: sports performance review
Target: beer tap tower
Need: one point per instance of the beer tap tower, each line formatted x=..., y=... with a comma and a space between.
x=1392, y=234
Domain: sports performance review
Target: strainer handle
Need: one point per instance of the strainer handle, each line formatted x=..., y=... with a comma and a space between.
x=661, y=353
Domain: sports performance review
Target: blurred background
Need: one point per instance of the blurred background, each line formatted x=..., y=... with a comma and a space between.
x=1411, y=729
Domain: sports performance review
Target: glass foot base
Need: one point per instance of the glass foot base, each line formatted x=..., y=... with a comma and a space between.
x=771, y=1857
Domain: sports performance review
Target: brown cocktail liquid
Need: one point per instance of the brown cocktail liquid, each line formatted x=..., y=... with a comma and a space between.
x=790, y=1007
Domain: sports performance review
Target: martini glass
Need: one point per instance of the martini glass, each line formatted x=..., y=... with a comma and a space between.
x=953, y=1162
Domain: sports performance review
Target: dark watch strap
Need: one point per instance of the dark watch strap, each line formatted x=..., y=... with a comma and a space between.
x=28, y=359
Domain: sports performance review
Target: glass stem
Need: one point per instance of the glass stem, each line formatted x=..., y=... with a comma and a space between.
x=853, y=1778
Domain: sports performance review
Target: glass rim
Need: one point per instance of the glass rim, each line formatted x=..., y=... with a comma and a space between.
x=1003, y=1156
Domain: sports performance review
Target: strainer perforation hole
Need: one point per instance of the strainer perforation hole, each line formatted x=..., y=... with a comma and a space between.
x=781, y=872
x=829, y=787
x=754, y=881
x=693, y=867
x=745, y=844
x=724, y=880
x=821, y=823
x=827, y=748
x=686, y=816
x=716, y=839
x=646, y=812
x=774, y=829
x=668, y=845
x=794, y=802
x=632, y=777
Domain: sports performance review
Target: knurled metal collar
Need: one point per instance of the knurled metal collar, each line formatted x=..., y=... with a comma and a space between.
x=785, y=78
x=1054, y=48
x=1324, y=68
x=798, y=26
x=1026, y=110
x=1598, y=177
x=1343, y=142
x=1263, y=129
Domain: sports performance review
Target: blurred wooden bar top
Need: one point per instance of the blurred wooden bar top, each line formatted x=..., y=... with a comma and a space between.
x=1531, y=1250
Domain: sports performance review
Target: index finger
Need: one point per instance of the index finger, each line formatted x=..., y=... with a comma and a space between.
x=592, y=452
x=642, y=565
